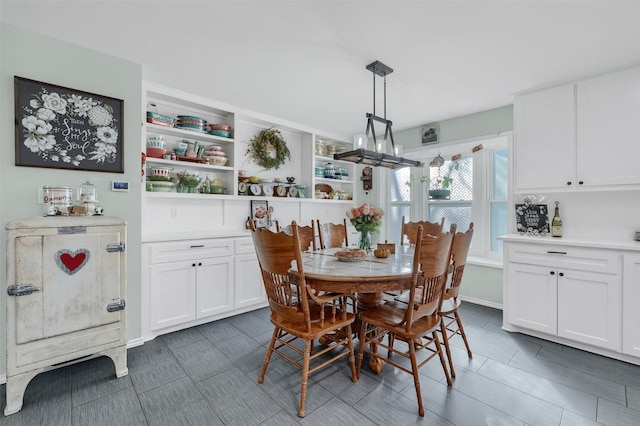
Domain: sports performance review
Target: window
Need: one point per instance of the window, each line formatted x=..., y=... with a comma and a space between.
x=478, y=192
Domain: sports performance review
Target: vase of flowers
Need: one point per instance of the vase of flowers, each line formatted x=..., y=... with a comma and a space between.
x=367, y=220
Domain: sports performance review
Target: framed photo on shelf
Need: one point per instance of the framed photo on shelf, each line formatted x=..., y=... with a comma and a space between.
x=62, y=128
x=260, y=213
x=532, y=219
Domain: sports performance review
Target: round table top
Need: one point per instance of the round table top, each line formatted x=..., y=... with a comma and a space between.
x=323, y=270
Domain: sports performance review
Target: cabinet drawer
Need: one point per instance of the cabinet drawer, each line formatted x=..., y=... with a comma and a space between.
x=190, y=249
x=245, y=245
x=585, y=259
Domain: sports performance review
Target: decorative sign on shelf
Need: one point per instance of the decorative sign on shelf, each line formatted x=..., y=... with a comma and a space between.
x=64, y=128
x=532, y=219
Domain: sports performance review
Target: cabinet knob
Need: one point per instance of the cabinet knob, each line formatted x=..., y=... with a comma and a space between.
x=568, y=183
x=200, y=264
x=552, y=273
x=580, y=182
x=561, y=274
x=193, y=264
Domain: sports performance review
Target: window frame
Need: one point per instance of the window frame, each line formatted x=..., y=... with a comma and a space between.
x=483, y=170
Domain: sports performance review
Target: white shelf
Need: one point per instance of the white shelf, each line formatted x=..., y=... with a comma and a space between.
x=188, y=164
x=187, y=134
x=330, y=181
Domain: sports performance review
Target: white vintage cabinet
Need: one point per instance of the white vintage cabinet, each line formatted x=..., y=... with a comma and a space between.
x=66, y=279
x=564, y=134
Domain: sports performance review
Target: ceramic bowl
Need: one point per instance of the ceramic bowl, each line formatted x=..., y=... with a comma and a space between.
x=220, y=133
x=161, y=171
x=163, y=186
x=220, y=126
x=156, y=152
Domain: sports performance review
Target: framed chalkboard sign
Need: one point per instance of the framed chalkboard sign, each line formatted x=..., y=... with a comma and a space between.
x=64, y=128
x=532, y=219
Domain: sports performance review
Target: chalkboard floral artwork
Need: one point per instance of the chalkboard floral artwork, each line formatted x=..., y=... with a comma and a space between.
x=66, y=128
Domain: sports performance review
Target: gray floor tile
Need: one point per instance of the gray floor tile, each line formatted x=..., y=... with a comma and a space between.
x=155, y=374
x=391, y=408
x=121, y=408
x=217, y=331
x=572, y=399
x=516, y=403
x=610, y=413
x=511, y=341
x=252, y=324
x=182, y=338
x=633, y=398
x=237, y=400
x=51, y=387
x=576, y=379
x=201, y=360
x=281, y=419
x=177, y=403
x=336, y=412
x=573, y=419
x=94, y=379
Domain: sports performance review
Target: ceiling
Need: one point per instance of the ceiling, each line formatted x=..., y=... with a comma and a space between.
x=304, y=61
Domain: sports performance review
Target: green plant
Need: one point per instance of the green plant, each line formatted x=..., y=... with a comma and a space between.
x=443, y=182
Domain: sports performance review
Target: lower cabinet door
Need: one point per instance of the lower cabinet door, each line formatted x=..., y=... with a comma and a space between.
x=172, y=294
x=589, y=308
x=249, y=289
x=532, y=297
x=214, y=286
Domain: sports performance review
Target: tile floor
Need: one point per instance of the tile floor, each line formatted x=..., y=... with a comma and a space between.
x=207, y=375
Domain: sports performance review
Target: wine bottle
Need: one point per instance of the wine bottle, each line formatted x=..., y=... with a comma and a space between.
x=556, y=223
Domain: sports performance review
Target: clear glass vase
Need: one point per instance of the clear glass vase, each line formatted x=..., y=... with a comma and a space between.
x=365, y=241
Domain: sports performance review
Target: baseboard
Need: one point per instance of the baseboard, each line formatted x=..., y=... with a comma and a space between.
x=3, y=379
x=135, y=342
x=481, y=302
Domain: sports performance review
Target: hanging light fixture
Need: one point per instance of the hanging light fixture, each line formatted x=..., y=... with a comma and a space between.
x=377, y=157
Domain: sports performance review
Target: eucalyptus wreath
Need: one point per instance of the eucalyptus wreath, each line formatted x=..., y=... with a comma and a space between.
x=264, y=143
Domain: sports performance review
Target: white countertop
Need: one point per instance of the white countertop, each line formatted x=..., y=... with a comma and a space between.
x=578, y=242
x=194, y=235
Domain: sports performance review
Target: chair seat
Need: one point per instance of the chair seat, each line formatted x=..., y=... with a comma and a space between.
x=299, y=328
x=391, y=313
x=449, y=306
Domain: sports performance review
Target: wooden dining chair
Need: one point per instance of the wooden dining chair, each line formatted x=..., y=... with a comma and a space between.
x=417, y=321
x=297, y=313
x=451, y=324
x=410, y=229
x=307, y=235
x=332, y=234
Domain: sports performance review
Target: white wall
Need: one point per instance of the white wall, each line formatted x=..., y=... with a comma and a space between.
x=30, y=55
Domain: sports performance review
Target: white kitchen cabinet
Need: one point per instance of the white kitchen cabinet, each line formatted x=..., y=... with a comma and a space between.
x=608, y=108
x=579, y=135
x=532, y=297
x=249, y=288
x=189, y=280
x=631, y=304
x=545, y=142
x=572, y=292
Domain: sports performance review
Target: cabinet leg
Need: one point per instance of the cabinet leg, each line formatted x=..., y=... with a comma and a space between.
x=119, y=357
x=14, y=389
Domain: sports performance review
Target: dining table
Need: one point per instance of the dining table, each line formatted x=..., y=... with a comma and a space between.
x=366, y=278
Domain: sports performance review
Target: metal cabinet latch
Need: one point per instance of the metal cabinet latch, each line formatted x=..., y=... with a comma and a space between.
x=115, y=247
x=21, y=289
x=116, y=306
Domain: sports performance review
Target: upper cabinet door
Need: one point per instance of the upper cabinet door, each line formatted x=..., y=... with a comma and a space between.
x=608, y=117
x=545, y=139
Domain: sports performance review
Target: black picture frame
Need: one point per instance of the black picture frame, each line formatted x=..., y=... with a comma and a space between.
x=260, y=213
x=532, y=219
x=63, y=128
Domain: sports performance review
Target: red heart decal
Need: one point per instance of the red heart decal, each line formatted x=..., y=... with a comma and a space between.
x=72, y=261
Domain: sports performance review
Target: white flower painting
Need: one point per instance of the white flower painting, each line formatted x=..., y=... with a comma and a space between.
x=68, y=129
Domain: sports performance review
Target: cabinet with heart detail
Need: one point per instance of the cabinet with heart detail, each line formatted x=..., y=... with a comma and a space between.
x=65, y=296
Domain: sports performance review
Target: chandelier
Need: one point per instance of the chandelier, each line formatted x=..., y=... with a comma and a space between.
x=377, y=157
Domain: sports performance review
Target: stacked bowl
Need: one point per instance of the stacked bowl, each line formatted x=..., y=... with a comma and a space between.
x=220, y=129
x=162, y=120
x=155, y=146
x=216, y=155
x=189, y=122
